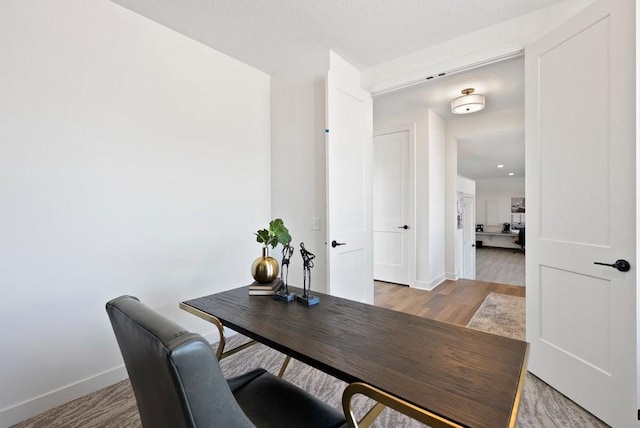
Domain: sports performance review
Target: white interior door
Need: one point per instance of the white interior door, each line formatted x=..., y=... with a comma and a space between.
x=581, y=195
x=469, y=237
x=393, y=231
x=349, y=197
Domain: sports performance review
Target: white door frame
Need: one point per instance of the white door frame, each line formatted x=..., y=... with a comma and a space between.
x=473, y=245
x=411, y=233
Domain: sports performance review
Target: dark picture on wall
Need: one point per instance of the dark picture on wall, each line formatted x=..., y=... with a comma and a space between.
x=517, y=205
x=517, y=213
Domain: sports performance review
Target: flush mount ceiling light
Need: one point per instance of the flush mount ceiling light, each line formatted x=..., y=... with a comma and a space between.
x=467, y=103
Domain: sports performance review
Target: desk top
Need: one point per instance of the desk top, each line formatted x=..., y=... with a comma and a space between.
x=467, y=376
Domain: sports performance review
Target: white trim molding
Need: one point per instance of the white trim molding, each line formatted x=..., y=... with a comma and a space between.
x=34, y=406
x=424, y=285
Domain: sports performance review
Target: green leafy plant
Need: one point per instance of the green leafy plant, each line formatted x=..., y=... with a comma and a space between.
x=277, y=233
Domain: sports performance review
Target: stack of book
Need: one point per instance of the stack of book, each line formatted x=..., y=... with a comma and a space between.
x=262, y=289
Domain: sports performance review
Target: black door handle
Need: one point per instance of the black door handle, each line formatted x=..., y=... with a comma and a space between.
x=621, y=265
x=405, y=227
x=334, y=244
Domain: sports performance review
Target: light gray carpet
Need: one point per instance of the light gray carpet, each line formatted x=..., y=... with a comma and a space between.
x=541, y=405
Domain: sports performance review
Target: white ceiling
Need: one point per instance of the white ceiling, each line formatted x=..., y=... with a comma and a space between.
x=503, y=86
x=501, y=83
x=480, y=155
x=280, y=36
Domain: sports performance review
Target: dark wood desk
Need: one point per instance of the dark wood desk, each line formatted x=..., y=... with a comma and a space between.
x=467, y=376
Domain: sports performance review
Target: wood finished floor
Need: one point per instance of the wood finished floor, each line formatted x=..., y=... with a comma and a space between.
x=501, y=265
x=452, y=301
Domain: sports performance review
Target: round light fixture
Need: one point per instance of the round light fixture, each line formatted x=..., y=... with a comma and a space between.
x=468, y=102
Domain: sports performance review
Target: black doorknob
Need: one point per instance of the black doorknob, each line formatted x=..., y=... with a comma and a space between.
x=621, y=265
x=405, y=227
x=334, y=244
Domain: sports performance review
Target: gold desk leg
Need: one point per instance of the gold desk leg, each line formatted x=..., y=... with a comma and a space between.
x=220, y=354
x=213, y=320
x=521, y=380
x=388, y=400
x=237, y=349
x=284, y=366
x=223, y=339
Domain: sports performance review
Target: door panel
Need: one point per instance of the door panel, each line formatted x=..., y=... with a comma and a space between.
x=577, y=169
x=559, y=326
x=349, y=219
x=392, y=207
x=581, y=196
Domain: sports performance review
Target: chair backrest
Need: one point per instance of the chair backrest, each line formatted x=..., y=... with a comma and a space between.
x=174, y=374
x=521, y=237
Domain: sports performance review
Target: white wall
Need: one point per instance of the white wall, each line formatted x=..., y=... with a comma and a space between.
x=429, y=152
x=498, y=190
x=298, y=167
x=132, y=160
x=436, y=199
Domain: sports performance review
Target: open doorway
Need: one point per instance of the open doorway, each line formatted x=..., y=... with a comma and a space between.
x=477, y=143
x=495, y=161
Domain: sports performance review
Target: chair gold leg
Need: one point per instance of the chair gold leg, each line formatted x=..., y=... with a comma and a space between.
x=371, y=416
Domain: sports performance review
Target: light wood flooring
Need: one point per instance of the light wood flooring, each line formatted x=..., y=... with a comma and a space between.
x=452, y=301
x=501, y=265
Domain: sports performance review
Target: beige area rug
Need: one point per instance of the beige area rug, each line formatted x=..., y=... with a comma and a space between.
x=500, y=314
x=541, y=405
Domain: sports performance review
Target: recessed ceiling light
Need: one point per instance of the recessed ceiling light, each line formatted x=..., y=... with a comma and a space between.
x=511, y=173
x=500, y=166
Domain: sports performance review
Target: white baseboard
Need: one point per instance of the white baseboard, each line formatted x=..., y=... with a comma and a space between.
x=424, y=285
x=439, y=280
x=34, y=406
x=451, y=277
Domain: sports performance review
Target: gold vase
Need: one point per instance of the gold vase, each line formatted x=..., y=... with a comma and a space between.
x=265, y=269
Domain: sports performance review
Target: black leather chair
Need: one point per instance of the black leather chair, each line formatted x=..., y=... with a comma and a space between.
x=520, y=240
x=178, y=383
